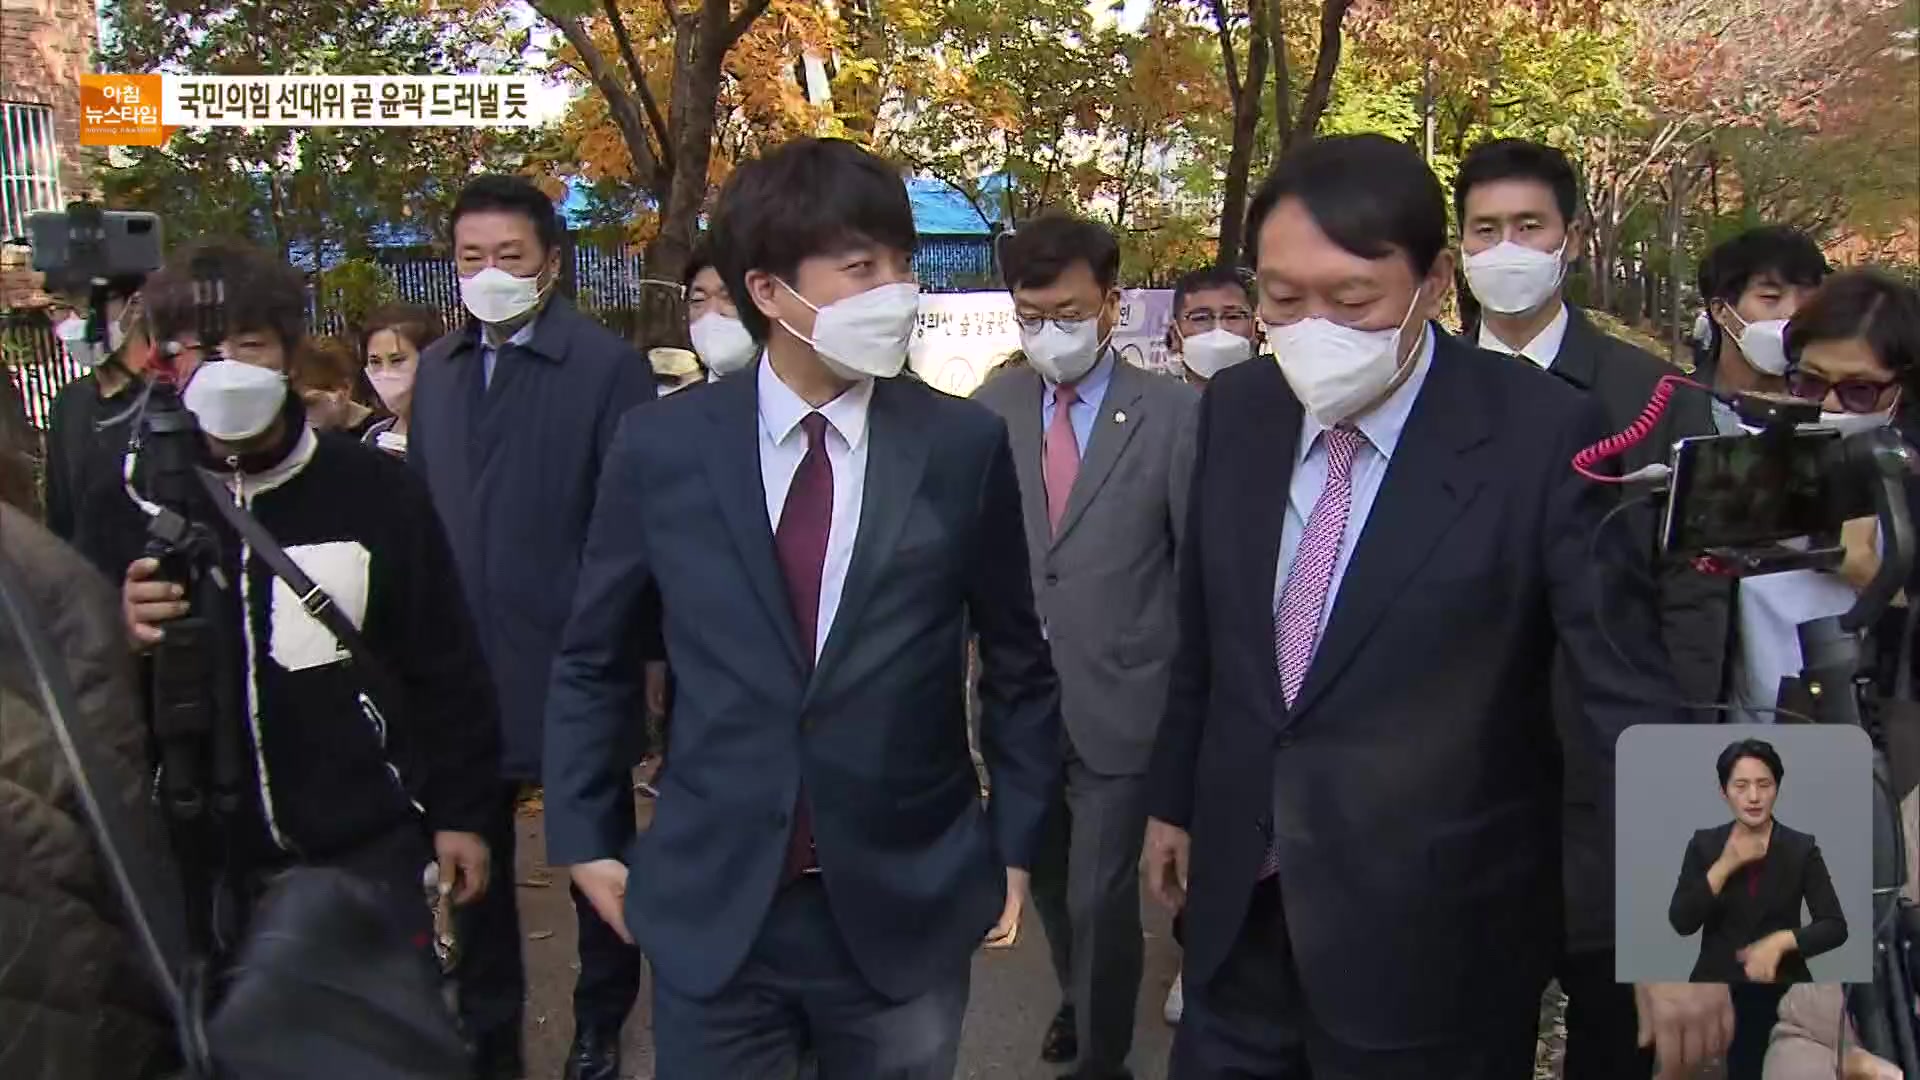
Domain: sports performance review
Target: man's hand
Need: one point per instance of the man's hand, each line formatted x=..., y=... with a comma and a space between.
x=1860, y=540
x=464, y=865
x=1687, y=1024
x=604, y=883
x=1861, y=1065
x=1762, y=958
x=1163, y=863
x=146, y=603
x=1007, y=930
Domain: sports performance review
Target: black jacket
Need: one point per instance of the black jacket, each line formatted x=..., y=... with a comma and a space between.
x=1621, y=378
x=513, y=467
x=328, y=778
x=83, y=452
x=1747, y=909
x=1410, y=920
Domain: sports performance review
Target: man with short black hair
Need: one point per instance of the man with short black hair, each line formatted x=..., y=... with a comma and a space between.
x=819, y=871
x=1103, y=450
x=713, y=322
x=87, y=429
x=1355, y=791
x=1521, y=231
x=1752, y=284
x=1213, y=326
x=512, y=415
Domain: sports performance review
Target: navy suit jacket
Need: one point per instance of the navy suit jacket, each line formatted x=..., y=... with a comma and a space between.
x=913, y=867
x=513, y=467
x=1413, y=787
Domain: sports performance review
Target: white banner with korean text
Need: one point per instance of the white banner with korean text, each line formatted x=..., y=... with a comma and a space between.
x=963, y=336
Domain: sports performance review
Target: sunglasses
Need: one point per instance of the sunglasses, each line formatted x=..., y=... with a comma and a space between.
x=1854, y=395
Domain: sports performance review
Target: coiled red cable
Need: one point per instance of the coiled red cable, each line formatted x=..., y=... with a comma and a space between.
x=1636, y=432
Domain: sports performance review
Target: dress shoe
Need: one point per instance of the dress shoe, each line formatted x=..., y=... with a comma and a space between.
x=594, y=1055
x=497, y=1055
x=1061, y=1044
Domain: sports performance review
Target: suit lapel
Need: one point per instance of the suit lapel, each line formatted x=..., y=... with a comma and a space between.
x=1113, y=428
x=1024, y=437
x=1578, y=361
x=1429, y=482
x=453, y=448
x=896, y=458
x=1260, y=482
x=734, y=471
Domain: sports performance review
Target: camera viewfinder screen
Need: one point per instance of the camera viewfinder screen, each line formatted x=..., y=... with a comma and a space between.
x=1738, y=491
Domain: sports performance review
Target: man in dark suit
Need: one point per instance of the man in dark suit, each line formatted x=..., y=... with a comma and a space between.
x=1517, y=203
x=1387, y=545
x=512, y=415
x=819, y=870
x=1104, y=451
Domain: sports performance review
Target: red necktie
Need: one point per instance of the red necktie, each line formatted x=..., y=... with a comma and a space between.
x=1060, y=455
x=800, y=543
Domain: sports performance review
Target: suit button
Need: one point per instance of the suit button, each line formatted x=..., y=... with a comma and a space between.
x=1284, y=740
x=1053, y=578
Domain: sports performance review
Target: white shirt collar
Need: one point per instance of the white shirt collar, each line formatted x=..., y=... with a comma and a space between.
x=1383, y=423
x=1541, y=350
x=781, y=410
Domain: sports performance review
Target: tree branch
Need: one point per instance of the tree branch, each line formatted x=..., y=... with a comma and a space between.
x=622, y=105
x=612, y=8
x=742, y=22
x=1320, y=89
x=1225, y=28
x=1282, y=83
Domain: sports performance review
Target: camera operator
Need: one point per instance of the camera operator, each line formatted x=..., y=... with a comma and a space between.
x=332, y=782
x=88, y=426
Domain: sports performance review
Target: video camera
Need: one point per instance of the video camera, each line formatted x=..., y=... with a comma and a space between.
x=1775, y=499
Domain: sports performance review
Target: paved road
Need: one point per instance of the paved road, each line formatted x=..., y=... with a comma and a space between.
x=1012, y=1000
x=1013, y=992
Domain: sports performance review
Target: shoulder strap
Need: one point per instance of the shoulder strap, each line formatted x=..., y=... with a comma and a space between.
x=313, y=598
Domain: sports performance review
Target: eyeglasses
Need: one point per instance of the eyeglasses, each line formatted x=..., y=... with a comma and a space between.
x=1854, y=395
x=1064, y=323
x=1201, y=320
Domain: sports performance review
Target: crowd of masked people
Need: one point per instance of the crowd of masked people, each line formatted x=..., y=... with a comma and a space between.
x=1308, y=641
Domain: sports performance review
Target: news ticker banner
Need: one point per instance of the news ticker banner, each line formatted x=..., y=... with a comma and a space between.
x=145, y=110
x=961, y=336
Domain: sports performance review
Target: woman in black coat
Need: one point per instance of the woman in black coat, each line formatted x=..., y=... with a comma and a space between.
x=1741, y=888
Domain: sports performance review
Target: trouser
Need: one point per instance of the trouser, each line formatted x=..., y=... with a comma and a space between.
x=1603, y=1027
x=799, y=992
x=1086, y=888
x=1250, y=1022
x=492, y=972
x=1756, y=1008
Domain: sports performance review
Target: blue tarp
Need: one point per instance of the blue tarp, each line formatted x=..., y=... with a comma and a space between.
x=939, y=209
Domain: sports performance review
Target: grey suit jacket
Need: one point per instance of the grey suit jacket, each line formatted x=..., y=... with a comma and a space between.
x=1105, y=585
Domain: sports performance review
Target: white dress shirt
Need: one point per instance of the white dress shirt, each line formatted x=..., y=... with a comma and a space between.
x=1382, y=426
x=1541, y=350
x=783, y=446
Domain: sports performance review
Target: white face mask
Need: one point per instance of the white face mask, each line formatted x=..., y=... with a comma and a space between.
x=495, y=296
x=723, y=344
x=864, y=336
x=235, y=401
x=1208, y=354
x=72, y=332
x=1510, y=278
x=1764, y=344
x=395, y=387
x=1063, y=355
x=1336, y=370
x=1852, y=423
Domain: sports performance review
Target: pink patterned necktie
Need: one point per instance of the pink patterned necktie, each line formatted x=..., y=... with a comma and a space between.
x=1296, y=619
x=1060, y=455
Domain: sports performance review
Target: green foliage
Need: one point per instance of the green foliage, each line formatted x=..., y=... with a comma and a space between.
x=321, y=187
x=354, y=288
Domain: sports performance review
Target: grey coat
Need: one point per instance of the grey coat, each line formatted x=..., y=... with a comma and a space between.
x=1105, y=586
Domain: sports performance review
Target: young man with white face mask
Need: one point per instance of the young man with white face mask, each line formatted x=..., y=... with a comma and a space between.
x=87, y=429
x=1213, y=326
x=1104, y=454
x=1355, y=792
x=820, y=871
x=713, y=322
x=380, y=789
x=512, y=416
x=1753, y=284
x=1521, y=231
